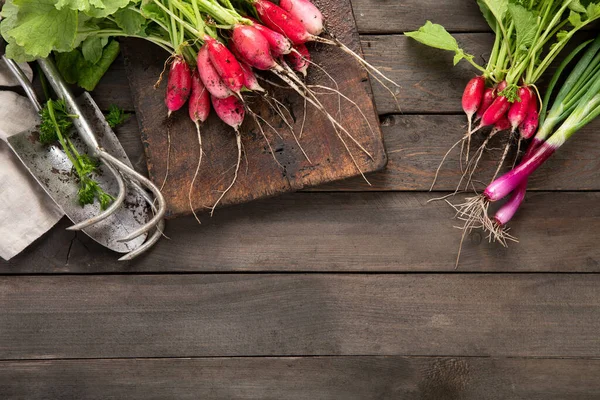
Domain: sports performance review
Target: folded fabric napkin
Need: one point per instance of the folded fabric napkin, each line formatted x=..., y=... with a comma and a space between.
x=26, y=211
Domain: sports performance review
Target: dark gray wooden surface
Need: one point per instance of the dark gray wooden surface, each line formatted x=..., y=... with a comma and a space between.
x=343, y=292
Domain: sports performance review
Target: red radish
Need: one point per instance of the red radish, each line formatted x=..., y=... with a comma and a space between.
x=199, y=105
x=280, y=45
x=503, y=124
x=488, y=98
x=230, y=110
x=250, y=81
x=210, y=77
x=529, y=127
x=281, y=21
x=495, y=111
x=305, y=12
x=299, y=59
x=199, y=110
x=472, y=97
x=225, y=63
x=253, y=47
x=179, y=84
x=501, y=86
x=519, y=109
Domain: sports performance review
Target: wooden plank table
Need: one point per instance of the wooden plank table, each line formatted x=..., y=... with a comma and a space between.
x=341, y=292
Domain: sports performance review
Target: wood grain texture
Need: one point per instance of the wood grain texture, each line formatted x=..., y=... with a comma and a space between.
x=393, y=16
x=349, y=378
x=328, y=157
x=416, y=145
x=429, y=83
x=262, y=315
x=343, y=232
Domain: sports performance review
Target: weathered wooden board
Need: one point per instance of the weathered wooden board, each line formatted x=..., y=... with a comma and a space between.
x=416, y=145
x=343, y=232
x=430, y=84
x=327, y=159
x=348, y=378
x=529, y=315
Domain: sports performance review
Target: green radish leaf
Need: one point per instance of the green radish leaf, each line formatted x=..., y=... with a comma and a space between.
x=90, y=75
x=498, y=8
x=153, y=11
x=132, y=22
x=79, y=5
x=38, y=27
x=92, y=48
x=75, y=69
x=108, y=7
x=526, y=25
x=69, y=64
x=434, y=35
x=487, y=14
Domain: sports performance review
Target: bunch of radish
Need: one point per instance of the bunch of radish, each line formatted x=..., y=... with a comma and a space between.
x=505, y=97
x=219, y=50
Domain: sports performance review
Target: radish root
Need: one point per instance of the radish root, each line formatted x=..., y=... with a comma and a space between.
x=196, y=173
x=238, y=138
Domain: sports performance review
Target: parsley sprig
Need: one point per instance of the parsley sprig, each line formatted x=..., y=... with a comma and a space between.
x=55, y=126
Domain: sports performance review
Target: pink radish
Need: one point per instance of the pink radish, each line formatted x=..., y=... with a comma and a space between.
x=529, y=127
x=279, y=44
x=199, y=104
x=299, y=59
x=253, y=47
x=488, y=98
x=232, y=112
x=250, y=81
x=225, y=63
x=210, y=77
x=199, y=110
x=305, y=12
x=281, y=21
x=519, y=109
x=501, y=86
x=472, y=97
x=503, y=124
x=495, y=111
x=179, y=84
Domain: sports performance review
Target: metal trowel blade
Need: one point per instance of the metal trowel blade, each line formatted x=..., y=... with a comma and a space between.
x=52, y=169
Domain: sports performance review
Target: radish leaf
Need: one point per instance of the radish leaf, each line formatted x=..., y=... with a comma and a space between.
x=525, y=24
x=435, y=35
x=132, y=23
x=38, y=27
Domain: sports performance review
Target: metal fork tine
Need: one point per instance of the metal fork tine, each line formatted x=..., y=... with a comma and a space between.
x=132, y=174
x=149, y=243
x=110, y=210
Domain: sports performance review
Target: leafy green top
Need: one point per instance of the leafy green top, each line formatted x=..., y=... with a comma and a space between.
x=116, y=116
x=54, y=127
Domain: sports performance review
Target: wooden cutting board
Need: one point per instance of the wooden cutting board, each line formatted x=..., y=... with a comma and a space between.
x=260, y=176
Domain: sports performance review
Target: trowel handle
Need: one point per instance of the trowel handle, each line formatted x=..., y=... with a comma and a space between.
x=24, y=82
x=60, y=87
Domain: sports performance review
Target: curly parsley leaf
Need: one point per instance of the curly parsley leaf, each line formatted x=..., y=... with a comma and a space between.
x=49, y=124
x=116, y=116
